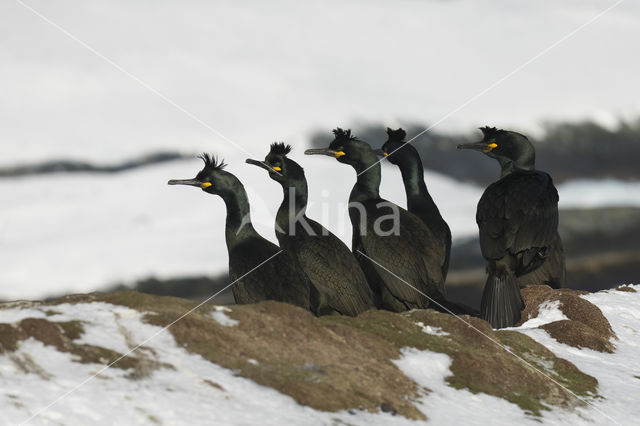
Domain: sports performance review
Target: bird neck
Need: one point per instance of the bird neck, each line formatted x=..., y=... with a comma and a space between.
x=368, y=181
x=238, y=225
x=413, y=178
x=294, y=203
x=509, y=166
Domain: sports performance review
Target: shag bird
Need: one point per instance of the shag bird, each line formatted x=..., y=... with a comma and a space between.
x=327, y=261
x=396, y=250
x=518, y=221
x=419, y=201
x=262, y=270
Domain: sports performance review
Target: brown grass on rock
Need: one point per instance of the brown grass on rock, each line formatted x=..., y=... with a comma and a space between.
x=579, y=335
x=589, y=328
x=61, y=335
x=337, y=363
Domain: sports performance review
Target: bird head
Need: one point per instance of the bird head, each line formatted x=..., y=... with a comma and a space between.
x=212, y=178
x=395, y=149
x=346, y=148
x=505, y=146
x=281, y=168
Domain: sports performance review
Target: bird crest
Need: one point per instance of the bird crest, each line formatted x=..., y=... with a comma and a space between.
x=343, y=135
x=397, y=135
x=212, y=162
x=279, y=148
x=490, y=132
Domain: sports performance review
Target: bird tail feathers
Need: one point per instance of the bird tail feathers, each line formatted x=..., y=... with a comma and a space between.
x=501, y=301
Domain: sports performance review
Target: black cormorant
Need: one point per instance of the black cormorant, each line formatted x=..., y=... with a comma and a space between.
x=278, y=279
x=518, y=221
x=327, y=261
x=419, y=201
x=392, y=245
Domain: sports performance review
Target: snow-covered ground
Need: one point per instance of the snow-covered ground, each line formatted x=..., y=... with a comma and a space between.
x=83, y=232
x=184, y=395
x=618, y=374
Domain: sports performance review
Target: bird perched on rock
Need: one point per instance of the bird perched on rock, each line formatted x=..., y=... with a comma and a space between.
x=419, y=201
x=262, y=270
x=518, y=221
x=325, y=259
x=397, y=252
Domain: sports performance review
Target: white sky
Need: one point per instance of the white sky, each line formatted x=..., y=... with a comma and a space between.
x=262, y=71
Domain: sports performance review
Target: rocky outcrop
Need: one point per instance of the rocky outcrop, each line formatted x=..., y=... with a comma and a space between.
x=586, y=326
x=331, y=363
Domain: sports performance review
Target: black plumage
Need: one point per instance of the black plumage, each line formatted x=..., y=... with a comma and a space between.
x=258, y=278
x=395, y=249
x=419, y=201
x=518, y=221
x=328, y=263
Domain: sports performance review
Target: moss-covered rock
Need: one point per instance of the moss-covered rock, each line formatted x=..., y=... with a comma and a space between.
x=586, y=325
x=334, y=363
x=62, y=336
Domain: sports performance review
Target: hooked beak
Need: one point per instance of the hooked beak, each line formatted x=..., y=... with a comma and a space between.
x=380, y=153
x=261, y=164
x=478, y=146
x=190, y=182
x=324, y=151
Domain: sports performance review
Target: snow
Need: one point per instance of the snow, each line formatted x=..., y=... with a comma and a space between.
x=434, y=331
x=190, y=392
x=591, y=193
x=617, y=373
x=219, y=315
x=446, y=405
x=548, y=311
x=173, y=396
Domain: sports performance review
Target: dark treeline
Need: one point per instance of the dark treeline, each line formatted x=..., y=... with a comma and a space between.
x=566, y=151
x=75, y=166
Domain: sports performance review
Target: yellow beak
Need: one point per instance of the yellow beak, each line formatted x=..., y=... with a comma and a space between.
x=206, y=185
x=276, y=168
x=339, y=154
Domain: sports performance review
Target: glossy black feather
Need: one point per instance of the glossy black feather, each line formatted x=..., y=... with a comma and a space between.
x=328, y=264
x=259, y=269
x=517, y=218
x=419, y=200
x=279, y=148
x=277, y=279
x=332, y=269
x=404, y=271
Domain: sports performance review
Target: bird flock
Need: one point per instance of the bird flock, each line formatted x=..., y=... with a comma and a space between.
x=399, y=258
